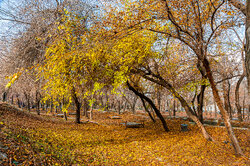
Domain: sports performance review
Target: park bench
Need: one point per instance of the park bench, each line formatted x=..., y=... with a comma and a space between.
x=133, y=124
x=60, y=115
x=72, y=113
x=115, y=117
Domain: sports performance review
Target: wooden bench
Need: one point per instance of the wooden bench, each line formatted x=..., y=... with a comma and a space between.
x=115, y=117
x=72, y=113
x=134, y=124
x=60, y=115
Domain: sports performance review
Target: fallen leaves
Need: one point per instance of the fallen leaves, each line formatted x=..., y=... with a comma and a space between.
x=36, y=141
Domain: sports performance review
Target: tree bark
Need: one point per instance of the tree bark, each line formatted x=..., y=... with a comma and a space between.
x=64, y=113
x=224, y=113
x=27, y=96
x=107, y=101
x=4, y=96
x=226, y=99
x=238, y=5
x=51, y=105
x=12, y=99
x=247, y=51
x=158, y=113
x=85, y=108
x=193, y=100
x=237, y=97
x=246, y=11
x=159, y=98
x=125, y=106
x=215, y=109
x=18, y=101
x=119, y=107
x=78, y=106
x=243, y=105
x=174, y=111
x=200, y=99
x=38, y=103
x=159, y=80
x=133, y=105
x=146, y=109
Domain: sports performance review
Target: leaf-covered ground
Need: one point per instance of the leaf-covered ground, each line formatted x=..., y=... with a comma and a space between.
x=45, y=140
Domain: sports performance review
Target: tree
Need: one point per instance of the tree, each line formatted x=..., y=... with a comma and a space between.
x=141, y=95
x=247, y=59
x=78, y=60
x=245, y=9
x=200, y=50
x=195, y=24
x=40, y=22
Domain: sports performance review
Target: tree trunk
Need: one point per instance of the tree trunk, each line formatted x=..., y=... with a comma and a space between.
x=247, y=48
x=237, y=97
x=51, y=106
x=215, y=109
x=174, y=111
x=133, y=105
x=193, y=100
x=28, y=103
x=243, y=105
x=78, y=106
x=85, y=108
x=173, y=107
x=159, y=115
x=224, y=113
x=169, y=111
x=159, y=98
x=4, y=96
x=119, y=107
x=200, y=101
x=228, y=99
x=248, y=114
x=107, y=101
x=146, y=109
x=225, y=95
x=64, y=113
x=12, y=99
x=46, y=106
x=159, y=80
x=18, y=101
x=38, y=103
x=27, y=96
x=125, y=106
x=65, y=116
x=91, y=112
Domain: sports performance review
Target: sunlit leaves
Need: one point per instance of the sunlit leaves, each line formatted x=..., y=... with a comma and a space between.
x=13, y=78
x=85, y=60
x=47, y=140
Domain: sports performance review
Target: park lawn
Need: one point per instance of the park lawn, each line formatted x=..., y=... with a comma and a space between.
x=46, y=140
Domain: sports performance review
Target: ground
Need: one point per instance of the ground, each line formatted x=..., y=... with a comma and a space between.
x=29, y=139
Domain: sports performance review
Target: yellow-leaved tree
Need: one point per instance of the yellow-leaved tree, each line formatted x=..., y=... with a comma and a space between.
x=79, y=63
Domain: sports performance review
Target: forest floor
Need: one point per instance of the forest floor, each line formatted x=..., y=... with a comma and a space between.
x=28, y=139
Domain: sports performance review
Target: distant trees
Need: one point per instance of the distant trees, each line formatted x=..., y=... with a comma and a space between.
x=39, y=21
x=245, y=9
x=69, y=57
x=197, y=27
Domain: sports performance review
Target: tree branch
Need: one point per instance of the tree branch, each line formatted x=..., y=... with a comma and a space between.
x=238, y=5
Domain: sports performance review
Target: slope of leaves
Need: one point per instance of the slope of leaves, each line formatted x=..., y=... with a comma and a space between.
x=39, y=140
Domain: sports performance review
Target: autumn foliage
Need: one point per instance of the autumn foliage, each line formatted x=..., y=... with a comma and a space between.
x=97, y=61
x=33, y=139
